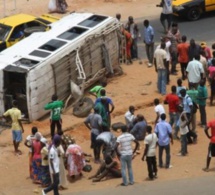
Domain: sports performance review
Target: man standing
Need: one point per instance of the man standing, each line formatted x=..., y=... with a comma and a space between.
x=126, y=154
x=94, y=123
x=194, y=50
x=54, y=166
x=132, y=27
x=149, y=41
x=95, y=91
x=159, y=109
x=188, y=108
x=17, y=128
x=56, y=107
x=150, y=152
x=183, y=57
x=201, y=100
x=160, y=56
x=164, y=134
x=173, y=101
x=130, y=117
x=195, y=71
x=166, y=14
x=211, y=148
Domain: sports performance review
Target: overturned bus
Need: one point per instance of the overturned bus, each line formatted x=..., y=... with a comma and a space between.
x=79, y=47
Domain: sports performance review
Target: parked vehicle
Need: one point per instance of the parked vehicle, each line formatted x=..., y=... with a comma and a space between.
x=16, y=27
x=192, y=9
x=80, y=47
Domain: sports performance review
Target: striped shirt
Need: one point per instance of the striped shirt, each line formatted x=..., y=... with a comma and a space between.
x=125, y=141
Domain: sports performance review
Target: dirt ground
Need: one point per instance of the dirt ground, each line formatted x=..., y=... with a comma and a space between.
x=137, y=87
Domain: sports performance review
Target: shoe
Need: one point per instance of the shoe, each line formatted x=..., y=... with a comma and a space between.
x=169, y=167
x=122, y=184
x=149, y=65
x=205, y=169
x=131, y=183
x=43, y=193
x=149, y=179
x=155, y=176
x=180, y=154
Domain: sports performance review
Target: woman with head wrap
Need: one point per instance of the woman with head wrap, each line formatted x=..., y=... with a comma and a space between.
x=75, y=160
x=45, y=173
x=36, y=158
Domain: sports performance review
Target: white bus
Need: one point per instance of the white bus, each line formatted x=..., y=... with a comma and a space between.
x=78, y=47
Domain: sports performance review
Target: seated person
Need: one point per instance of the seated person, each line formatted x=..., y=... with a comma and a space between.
x=111, y=165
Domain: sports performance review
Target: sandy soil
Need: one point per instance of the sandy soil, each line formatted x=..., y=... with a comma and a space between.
x=137, y=86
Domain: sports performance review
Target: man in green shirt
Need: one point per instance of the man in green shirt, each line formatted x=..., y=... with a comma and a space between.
x=193, y=93
x=56, y=107
x=95, y=91
x=201, y=100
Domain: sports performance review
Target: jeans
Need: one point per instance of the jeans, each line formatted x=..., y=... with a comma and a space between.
x=152, y=166
x=150, y=52
x=126, y=161
x=167, y=149
x=174, y=116
x=203, y=115
x=134, y=49
x=57, y=123
x=167, y=72
x=161, y=83
x=184, y=144
x=174, y=61
x=183, y=70
x=54, y=185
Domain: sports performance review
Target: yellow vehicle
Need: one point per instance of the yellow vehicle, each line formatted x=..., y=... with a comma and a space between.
x=192, y=9
x=16, y=27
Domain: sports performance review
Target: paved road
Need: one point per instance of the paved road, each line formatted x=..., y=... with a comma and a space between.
x=193, y=186
x=201, y=30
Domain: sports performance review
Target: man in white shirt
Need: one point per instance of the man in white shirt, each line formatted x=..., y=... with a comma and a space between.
x=130, y=117
x=159, y=109
x=54, y=166
x=160, y=56
x=166, y=14
x=195, y=71
x=123, y=144
x=150, y=152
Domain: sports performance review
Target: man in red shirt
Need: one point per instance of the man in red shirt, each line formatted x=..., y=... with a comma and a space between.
x=183, y=57
x=211, y=148
x=173, y=101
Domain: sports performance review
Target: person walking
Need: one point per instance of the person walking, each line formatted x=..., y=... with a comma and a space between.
x=173, y=101
x=148, y=39
x=201, y=100
x=17, y=129
x=130, y=117
x=150, y=142
x=211, y=147
x=159, y=109
x=166, y=14
x=183, y=57
x=56, y=107
x=164, y=134
x=94, y=123
x=193, y=50
x=160, y=56
x=54, y=164
x=126, y=154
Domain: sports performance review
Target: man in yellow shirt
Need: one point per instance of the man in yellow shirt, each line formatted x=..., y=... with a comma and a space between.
x=17, y=128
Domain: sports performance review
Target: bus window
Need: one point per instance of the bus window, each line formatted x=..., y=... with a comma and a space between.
x=40, y=54
x=93, y=21
x=26, y=62
x=72, y=33
x=52, y=45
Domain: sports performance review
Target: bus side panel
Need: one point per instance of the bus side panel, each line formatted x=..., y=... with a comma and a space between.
x=2, y=109
x=41, y=90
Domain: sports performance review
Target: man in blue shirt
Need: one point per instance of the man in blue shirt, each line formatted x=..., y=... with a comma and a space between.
x=188, y=108
x=149, y=41
x=164, y=133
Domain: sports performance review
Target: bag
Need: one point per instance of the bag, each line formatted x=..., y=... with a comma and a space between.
x=87, y=168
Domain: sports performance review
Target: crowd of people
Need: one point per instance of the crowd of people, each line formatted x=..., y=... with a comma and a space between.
x=48, y=161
